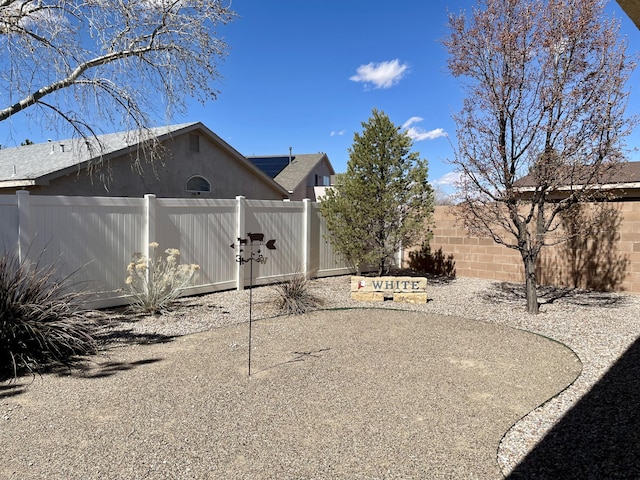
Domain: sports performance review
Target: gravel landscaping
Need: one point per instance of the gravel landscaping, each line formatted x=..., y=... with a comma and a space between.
x=598, y=328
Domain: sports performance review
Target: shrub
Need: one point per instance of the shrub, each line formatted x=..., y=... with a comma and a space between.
x=156, y=282
x=42, y=322
x=293, y=296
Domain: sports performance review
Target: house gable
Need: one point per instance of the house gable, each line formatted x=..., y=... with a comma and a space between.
x=190, y=150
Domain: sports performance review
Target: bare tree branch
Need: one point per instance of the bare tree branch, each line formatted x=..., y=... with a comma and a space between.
x=108, y=63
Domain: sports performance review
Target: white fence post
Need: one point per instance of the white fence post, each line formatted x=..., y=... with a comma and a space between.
x=306, y=238
x=24, y=224
x=150, y=223
x=241, y=206
x=400, y=256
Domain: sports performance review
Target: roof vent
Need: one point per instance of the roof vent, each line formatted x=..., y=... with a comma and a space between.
x=290, y=157
x=62, y=147
x=53, y=147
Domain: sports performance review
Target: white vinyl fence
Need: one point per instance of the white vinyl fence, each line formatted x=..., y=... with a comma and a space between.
x=94, y=238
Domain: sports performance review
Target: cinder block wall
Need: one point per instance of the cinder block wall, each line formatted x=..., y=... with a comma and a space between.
x=609, y=260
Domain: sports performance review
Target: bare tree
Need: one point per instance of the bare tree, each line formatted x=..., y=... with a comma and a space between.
x=545, y=83
x=86, y=63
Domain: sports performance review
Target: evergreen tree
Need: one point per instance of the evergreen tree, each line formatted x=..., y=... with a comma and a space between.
x=383, y=201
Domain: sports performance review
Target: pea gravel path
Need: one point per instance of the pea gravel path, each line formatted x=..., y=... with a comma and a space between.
x=335, y=394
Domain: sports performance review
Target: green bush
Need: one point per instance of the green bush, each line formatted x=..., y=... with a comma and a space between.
x=293, y=296
x=156, y=282
x=42, y=322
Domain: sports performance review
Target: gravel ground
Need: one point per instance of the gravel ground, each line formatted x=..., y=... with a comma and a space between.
x=599, y=328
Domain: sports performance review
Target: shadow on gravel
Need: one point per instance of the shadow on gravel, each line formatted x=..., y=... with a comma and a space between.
x=107, y=369
x=88, y=366
x=83, y=367
x=125, y=336
x=12, y=389
x=113, y=328
x=298, y=357
x=505, y=292
x=94, y=367
x=600, y=436
x=439, y=279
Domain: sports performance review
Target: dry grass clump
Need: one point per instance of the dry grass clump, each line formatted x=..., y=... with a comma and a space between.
x=292, y=297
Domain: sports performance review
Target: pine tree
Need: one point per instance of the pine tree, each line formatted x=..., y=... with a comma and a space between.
x=383, y=201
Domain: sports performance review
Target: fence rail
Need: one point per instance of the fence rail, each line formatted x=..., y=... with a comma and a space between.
x=93, y=238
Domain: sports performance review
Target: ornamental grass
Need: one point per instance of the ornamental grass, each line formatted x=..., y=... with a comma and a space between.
x=156, y=282
x=42, y=319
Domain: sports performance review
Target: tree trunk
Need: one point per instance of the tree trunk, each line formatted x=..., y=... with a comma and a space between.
x=530, y=284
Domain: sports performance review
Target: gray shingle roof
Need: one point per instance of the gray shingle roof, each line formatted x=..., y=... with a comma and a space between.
x=625, y=173
x=30, y=162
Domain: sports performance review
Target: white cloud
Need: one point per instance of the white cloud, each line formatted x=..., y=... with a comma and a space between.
x=411, y=121
x=417, y=134
x=334, y=132
x=381, y=75
x=448, y=179
x=32, y=16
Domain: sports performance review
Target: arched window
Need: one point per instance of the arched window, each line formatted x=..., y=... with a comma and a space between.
x=198, y=184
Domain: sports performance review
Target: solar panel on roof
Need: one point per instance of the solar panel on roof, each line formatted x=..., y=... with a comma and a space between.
x=272, y=166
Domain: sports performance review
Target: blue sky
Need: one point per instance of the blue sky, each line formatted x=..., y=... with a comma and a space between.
x=306, y=74
x=297, y=76
x=308, y=77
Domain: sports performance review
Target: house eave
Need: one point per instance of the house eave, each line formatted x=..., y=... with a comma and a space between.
x=569, y=188
x=17, y=183
x=632, y=9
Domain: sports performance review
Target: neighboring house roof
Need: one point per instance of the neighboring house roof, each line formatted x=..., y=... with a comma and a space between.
x=628, y=172
x=632, y=9
x=290, y=171
x=625, y=175
x=38, y=164
x=25, y=165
